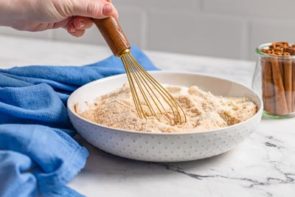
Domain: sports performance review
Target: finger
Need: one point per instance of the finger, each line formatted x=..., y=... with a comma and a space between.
x=82, y=23
x=63, y=23
x=94, y=9
x=77, y=33
x=110, y=10
x=70, y=27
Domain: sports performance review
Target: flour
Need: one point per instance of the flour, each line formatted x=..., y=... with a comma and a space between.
x=203, y=110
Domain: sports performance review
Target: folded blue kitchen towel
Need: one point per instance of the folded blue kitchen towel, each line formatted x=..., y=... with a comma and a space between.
x=38, y=155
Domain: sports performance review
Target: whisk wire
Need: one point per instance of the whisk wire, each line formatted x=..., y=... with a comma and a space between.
x=142, y=90
x=144, y=77
x=133, y=89
x=174, y=106
x=139, y=80
x=151, y=93
x=166, y=96
x=147, y=91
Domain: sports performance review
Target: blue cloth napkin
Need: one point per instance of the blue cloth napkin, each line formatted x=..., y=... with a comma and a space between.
x=38, y=154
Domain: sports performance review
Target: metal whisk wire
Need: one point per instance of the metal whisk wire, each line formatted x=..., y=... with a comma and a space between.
x=146, y=91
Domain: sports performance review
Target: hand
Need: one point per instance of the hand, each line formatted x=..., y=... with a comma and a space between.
x=38, y=15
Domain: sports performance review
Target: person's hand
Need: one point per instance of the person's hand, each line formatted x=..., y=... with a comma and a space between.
x=38, y=15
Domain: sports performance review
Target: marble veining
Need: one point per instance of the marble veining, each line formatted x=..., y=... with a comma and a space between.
x=261, y=166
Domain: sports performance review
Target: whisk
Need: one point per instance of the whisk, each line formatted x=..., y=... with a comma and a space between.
x=150, y=98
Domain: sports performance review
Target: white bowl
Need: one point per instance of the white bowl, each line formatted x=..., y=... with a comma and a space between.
x=162, y=147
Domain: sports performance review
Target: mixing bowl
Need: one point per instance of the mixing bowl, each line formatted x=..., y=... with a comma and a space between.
x=163, y=147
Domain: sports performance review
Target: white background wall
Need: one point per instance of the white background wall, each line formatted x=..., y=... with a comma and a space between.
x=220, y=28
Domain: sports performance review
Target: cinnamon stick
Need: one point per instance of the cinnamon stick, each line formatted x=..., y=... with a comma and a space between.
x=281, y=63
x=280, y=98
x=287, y=64
x=268, y=93
x=293, y=85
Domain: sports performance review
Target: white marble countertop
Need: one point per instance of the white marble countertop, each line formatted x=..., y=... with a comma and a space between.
x=263, y=165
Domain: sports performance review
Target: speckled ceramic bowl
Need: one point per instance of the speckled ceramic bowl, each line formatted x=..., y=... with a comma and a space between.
x=164, y=147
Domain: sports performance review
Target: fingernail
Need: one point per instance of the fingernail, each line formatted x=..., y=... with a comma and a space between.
x=107, y=9
x=81, y=25
x=72, y=30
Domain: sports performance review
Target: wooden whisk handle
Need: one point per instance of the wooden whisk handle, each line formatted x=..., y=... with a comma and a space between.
x=113, y=34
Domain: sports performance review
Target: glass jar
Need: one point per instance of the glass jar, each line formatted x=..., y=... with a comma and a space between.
x=274, y=78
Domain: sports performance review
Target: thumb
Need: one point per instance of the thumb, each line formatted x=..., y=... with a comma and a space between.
x=94, y=9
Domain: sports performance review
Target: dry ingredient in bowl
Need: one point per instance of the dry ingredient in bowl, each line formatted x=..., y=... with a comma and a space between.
x=203, y=110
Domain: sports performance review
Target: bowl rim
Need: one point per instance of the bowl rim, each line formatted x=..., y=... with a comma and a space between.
x=188, y=132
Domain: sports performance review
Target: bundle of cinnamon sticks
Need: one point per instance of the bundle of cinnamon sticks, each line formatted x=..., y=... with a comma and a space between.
x=278, y=78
